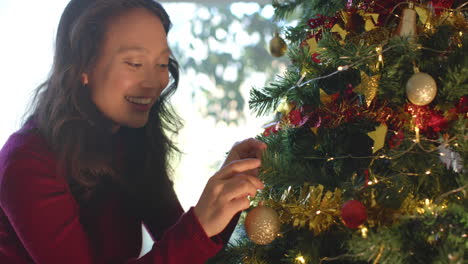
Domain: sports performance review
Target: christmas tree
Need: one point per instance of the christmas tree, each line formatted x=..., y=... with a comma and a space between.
x=367, y=145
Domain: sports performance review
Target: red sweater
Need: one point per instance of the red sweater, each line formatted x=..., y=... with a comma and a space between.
x=40, y=219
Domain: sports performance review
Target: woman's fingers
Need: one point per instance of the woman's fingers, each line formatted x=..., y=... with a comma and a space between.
x=239, y=204
x=249, y=148
x=241, y=185
x=249, y=145
x=226, y=193
x=238, y=166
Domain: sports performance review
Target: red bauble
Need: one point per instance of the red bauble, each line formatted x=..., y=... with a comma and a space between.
x=353, y=214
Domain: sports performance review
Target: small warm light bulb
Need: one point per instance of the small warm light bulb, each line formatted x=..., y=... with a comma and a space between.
x=416, y=130
x=370, y=183
x=428, y=172
x=427, y=202
x=300, y=259
x=318, y=212
x=343, y=68
x=364, y=231
x=330, y=159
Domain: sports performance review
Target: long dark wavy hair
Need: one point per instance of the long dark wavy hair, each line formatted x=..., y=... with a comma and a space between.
x=77, y=132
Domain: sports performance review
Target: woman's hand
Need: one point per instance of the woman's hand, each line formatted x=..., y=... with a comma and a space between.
x=249, y=148
x=227, y=192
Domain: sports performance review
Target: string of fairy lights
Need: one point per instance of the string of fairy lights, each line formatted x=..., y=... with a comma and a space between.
x=379, y=52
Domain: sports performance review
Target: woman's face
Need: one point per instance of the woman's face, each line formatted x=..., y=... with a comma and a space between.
x=131, y=69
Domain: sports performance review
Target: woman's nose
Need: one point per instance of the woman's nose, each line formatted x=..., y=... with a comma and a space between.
x=152, y=79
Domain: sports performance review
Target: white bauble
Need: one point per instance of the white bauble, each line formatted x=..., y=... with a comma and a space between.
x=421, y=89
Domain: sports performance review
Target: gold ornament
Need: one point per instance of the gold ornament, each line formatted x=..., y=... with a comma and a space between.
x=311, y=208
x=313, y=45
x=423, y=14
x=326, y=98
x=421, y=89
x=278, y=46
x=407, y=26
x=370, y=20
x=284, y=107
x=368, y=86
x=378, y=135
x=262, y=225
x=338, y=29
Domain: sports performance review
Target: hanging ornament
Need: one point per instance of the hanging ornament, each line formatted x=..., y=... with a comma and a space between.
x=421, y=89
x=353, y=214
x=407, y=26
x=353, y=22
x=368, y=86
x=271, y=128
x=278, y=46
x=378, y=135
x=370, y=20
x=262, y=225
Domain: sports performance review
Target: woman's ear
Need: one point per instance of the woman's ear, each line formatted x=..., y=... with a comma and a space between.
x=84, y=78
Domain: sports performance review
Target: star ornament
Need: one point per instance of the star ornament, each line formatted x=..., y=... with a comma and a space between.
x=313, y=45
x=368, y=86
x=378, y=135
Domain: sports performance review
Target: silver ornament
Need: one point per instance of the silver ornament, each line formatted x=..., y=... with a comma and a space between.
x=421, y=89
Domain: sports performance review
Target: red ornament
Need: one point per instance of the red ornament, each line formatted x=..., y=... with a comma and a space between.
x=295, y=117
x=353, y=214
x=430, y=121
x=314, y=57
x=396, y=139
x=322, y=21
x=272, y=128
x=440, y=5
x=462, y=105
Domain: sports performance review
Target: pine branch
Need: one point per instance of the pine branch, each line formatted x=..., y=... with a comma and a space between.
x=264, y=100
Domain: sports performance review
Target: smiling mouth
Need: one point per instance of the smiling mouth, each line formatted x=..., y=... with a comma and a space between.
x=139, y=100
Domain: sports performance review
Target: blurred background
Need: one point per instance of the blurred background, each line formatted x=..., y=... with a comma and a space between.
x=222, y=47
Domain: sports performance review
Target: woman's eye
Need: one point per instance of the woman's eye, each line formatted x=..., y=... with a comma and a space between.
x=134, y=65
x=163, y=65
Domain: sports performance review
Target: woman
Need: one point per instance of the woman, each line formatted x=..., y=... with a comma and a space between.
x=90, y=164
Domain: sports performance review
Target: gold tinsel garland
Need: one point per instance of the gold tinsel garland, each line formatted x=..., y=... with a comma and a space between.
x=312, y=208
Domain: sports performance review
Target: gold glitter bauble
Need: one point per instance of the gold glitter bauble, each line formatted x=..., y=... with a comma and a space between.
x=277, y=46
x=262, y=225
x=421, y=89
